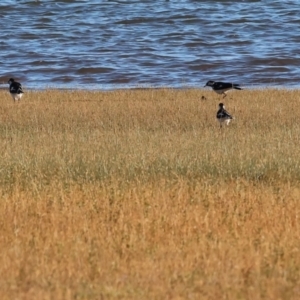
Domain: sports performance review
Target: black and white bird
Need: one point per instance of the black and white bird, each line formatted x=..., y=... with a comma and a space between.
x=222, y=87
x=223, y=116
x=15, y=89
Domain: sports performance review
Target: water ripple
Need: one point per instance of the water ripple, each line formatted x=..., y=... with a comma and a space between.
x=111, y=44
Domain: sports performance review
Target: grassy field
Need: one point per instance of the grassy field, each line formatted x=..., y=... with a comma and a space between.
x=138, y=194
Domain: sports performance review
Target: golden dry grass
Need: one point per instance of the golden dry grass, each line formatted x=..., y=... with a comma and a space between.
x=138, y=194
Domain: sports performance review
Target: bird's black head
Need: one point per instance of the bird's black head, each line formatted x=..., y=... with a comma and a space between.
x=209, y=83
x=10, y=81
x=221, y=105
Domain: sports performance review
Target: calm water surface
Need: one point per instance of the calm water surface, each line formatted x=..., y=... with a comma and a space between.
x=119, y=44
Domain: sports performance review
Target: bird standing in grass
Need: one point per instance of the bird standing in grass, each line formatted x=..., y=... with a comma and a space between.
x=222, y=88
x=15, y=89
x=223, y=116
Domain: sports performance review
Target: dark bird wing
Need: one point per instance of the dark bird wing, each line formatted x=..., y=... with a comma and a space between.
x=222, y=113
x=16, y=88
x=226, y=85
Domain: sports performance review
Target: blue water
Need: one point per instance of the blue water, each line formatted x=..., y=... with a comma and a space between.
x=123, y=44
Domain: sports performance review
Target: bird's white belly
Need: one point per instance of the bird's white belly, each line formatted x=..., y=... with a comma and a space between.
x=224, y=120
x=17, y=97
x=221, y=91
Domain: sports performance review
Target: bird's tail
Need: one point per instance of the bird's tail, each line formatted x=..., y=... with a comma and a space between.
x=237, y=87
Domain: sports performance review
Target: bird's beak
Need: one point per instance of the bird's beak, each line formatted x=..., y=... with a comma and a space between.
x=205, y=85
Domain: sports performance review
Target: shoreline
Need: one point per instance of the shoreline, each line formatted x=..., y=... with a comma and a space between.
x=260, y=88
